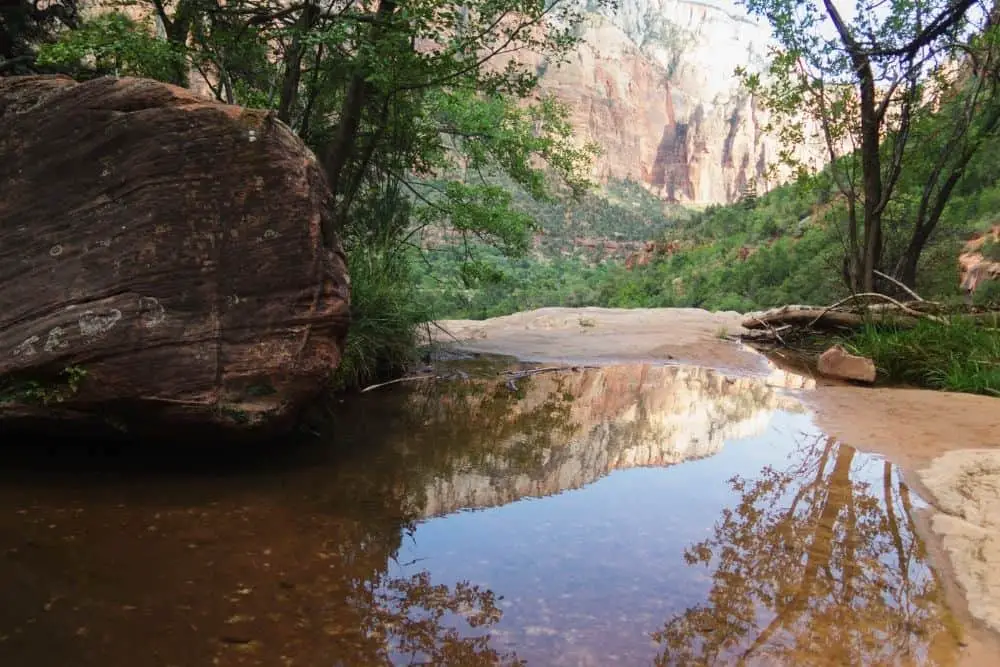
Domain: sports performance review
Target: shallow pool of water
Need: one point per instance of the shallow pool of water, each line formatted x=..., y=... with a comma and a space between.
x=629, y=515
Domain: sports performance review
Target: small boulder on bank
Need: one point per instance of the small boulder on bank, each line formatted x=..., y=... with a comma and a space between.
x=167, y=263
x=838, y=363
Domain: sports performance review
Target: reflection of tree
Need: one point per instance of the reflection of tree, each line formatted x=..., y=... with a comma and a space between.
x=370, y=616
x=814, y=565
x=413, y=615
x=288, y=563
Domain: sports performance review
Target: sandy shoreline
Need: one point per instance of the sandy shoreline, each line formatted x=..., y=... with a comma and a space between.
x=948, y=445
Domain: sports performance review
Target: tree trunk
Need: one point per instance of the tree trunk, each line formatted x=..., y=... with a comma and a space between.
x=293, y=63
x=906, y=271
x=871, y=160
x=344, y=145
x=871, y=166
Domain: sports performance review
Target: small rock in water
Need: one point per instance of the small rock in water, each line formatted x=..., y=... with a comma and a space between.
x=837, y=362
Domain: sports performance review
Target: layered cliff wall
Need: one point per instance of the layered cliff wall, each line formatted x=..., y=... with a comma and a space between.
x=654, y=86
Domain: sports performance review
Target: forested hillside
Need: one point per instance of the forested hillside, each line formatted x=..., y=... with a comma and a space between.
x=783, y=247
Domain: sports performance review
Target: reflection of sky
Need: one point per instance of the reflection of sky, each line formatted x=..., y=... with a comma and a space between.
x=602, y=566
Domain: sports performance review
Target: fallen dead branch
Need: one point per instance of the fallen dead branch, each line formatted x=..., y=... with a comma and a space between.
x=899, y=285
x=841, y=316
x=803, y=316
x=875, y=295
x=852, y=313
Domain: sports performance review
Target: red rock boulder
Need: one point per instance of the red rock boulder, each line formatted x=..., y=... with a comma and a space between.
x=838, y=363
x=165, y=262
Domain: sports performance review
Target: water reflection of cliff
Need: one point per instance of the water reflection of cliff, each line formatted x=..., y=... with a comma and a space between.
x=563, y=431
x=314, y=556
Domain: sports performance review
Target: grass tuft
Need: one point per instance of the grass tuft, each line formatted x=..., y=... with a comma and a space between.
x=959, y=356
x=385, y=313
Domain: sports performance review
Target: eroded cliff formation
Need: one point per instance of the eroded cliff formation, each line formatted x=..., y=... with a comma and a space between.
x=654, y=86
x=605, y=419
x=162, y=260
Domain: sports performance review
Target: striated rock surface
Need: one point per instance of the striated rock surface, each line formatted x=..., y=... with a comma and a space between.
x=171, y=248
x=966, y=488
x=654, y=86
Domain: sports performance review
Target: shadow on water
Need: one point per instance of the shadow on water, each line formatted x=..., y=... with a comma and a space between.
x=462, y=523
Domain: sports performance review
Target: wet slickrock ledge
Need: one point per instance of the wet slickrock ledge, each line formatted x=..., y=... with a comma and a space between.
x=163, y=261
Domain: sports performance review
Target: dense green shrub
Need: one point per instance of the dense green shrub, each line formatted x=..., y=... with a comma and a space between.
x=958, y=356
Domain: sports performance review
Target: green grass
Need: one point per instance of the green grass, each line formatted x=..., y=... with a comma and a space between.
x=385, y=313
x=959, y=356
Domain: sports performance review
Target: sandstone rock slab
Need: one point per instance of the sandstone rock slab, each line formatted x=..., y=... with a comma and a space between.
x=176, y=250
x=966, y=489
x=838, y=363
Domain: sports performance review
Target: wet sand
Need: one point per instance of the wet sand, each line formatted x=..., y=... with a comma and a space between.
x=928, y=434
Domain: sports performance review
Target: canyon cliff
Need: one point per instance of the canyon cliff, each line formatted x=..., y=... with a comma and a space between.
x=653, y=85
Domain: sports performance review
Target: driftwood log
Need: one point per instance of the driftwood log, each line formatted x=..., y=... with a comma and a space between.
x=854, y=311
x=818, y=317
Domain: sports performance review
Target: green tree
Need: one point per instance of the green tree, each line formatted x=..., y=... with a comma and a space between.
x=24, y=24
x=113, y=44
x=863, y=85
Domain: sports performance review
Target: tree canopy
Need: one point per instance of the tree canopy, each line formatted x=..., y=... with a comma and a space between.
x=418, y=98
x=894, y=91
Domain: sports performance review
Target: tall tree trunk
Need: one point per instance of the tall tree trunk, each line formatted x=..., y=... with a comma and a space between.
x=871, y=160
x=344, y=145
x=293, y=62
x=177, y=30
x=871, y=167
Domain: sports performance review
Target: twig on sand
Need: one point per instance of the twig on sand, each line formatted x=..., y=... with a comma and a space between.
x=510, y=376
x=548, y=369
x=410, y=378
x=513, y=376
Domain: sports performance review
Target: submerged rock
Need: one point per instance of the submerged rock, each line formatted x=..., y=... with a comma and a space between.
x=838, y=363
x=165, y=261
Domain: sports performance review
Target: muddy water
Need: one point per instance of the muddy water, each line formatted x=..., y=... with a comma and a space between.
x=629, y=515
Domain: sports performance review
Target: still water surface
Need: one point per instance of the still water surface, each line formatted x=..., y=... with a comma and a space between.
x=631, y=515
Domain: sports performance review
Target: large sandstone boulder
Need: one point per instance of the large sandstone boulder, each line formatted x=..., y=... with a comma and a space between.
x=177, y=251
